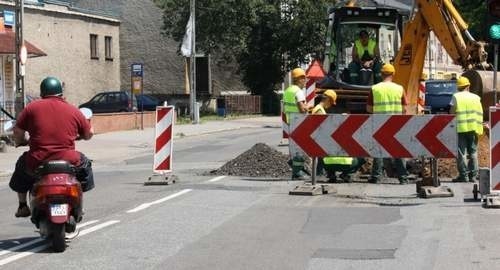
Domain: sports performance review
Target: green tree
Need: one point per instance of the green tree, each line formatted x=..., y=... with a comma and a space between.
x=474, y=14
x=266, y=37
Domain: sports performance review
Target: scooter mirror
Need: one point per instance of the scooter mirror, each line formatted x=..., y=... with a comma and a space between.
x=86, y=112
x=8, y=126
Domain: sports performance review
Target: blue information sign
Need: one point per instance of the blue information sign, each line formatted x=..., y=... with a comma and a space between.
x=137, y=70
x=9, y=18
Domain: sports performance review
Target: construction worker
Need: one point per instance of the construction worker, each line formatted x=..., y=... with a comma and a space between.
x=387, y=97
x=365, y=55
x=469, y=114
x=346, y=165
x=294, y=101
x=294, y=98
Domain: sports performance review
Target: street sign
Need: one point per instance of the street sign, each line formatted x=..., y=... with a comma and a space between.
x=137, y=73
x=137, y=70
x=9, y=18
x=377, y=135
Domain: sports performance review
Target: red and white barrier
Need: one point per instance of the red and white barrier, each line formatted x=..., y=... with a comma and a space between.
x=421, y=96
x=310, y=92
x=377, y=135
x=285, y=125
x=163, y=139
x=495, y=148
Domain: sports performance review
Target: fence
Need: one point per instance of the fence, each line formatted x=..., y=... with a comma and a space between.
x=243, y=104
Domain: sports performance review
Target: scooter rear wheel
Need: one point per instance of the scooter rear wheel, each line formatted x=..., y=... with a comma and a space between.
x=58, y=237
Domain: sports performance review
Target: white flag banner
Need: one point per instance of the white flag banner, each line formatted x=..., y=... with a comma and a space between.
x=186, y=41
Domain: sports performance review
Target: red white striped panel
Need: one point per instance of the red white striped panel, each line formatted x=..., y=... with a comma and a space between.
x=375, y=135
x=285, y=126
x=495, y=147
x=310, y=92
x=163, y=139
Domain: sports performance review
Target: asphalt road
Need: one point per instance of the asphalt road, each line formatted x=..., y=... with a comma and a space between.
x=208, y=222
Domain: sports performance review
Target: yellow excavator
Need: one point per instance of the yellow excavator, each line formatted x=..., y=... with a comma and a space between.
x=406, y=49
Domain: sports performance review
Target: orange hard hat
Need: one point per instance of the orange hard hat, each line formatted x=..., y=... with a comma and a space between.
x=298, y=72
x=388, y=69
x=332, y=95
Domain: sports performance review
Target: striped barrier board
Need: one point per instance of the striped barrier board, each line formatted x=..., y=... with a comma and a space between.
x=163, y=139
x=310, y=92
x=495, y=148
x=285, y=125
x=375, y=135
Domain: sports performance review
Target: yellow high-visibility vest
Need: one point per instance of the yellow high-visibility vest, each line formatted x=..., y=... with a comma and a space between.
x=387, y=98
x=289, y=101
x=337, y=160
x=360, y=49
x=469, y=112
x=318, y=109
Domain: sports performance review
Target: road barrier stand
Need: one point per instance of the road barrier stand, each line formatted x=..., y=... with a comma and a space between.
x=492, y=200
x=377, y=136
x=162, y=157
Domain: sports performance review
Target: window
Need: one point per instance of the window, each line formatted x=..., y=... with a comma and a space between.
x=93, y=47
x=107, y=47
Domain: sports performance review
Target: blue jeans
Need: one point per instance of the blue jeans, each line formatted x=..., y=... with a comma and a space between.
x=467, y=144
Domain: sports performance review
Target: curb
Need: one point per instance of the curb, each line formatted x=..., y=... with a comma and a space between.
x=180, y=135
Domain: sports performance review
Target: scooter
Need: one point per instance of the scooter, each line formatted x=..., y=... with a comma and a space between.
x=56, y=202
x=56, y=198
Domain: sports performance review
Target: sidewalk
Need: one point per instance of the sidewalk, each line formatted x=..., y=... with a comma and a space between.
x=114, y=147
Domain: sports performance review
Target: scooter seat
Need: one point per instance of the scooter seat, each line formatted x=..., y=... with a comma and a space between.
x=56, y=166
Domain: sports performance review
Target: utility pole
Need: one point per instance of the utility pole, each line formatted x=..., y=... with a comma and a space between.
x=194, y=105
x=19, y=98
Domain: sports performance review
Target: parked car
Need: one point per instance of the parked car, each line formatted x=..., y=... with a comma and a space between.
x=147, y=102
x=113, y=101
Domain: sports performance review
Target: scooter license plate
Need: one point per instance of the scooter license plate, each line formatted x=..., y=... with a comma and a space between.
x=57, y=210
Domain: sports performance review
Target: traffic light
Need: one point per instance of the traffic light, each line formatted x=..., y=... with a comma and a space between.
x=494, y=20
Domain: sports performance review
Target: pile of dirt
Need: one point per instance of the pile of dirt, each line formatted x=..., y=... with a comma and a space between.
x=259, y=161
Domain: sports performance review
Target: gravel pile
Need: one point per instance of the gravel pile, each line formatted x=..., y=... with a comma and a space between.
x=259, y=161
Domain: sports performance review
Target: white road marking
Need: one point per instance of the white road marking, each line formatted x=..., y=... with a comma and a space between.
x=29, y=243
x=79, y=226
x=98, y=227
x=44, y=246
x=34, y=241
x=23, y=254
x=218, y=178
x=146, y=205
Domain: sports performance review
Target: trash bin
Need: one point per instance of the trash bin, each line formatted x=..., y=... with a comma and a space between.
x=438, y=94
x=221, y=107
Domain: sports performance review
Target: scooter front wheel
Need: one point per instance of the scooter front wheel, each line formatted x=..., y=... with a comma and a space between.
x=58, y=233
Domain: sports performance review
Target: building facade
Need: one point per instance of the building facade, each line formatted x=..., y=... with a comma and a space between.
x=82, y=49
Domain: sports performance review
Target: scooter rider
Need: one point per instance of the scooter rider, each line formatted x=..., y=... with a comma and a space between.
x=53, y=126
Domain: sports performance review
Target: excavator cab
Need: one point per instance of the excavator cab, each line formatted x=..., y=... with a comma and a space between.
x=352, y=81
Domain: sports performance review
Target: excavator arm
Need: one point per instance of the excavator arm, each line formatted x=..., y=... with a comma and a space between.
x=440, y=17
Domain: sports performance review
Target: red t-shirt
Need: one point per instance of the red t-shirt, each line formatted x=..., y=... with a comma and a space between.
x=53, y=126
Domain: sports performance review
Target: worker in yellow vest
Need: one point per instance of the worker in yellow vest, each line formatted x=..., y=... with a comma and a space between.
x=294, y=98
x=294, y=101
x=365, y=54
x=346, y=165
x=469, y=115
x=387, y=97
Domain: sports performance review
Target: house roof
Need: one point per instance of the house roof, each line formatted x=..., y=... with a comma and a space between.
x=8, y=42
